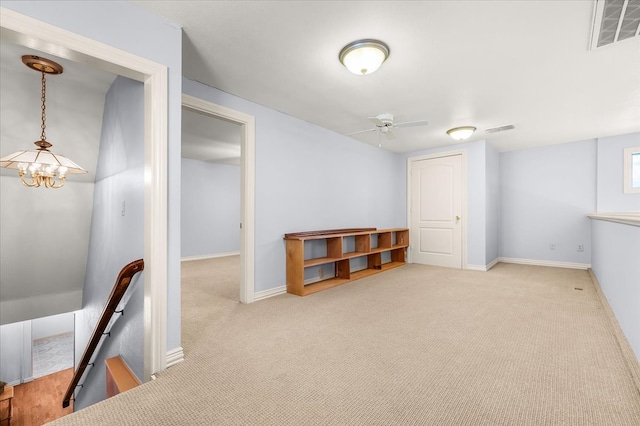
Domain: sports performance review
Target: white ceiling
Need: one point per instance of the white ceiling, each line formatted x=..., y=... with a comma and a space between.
x=452, y=63
x=210, y=139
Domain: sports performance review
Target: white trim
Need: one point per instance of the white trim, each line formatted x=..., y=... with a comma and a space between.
x=628, y=218
x=479, y=268
x=463, y=230
x=209, y=256
x=174, y=356
x=42, y=36
x=628, y=167
x=596, y=21
x=247, y=186
x=483, y=268
x=493, y=263
x=551, y=263
x=265, y=294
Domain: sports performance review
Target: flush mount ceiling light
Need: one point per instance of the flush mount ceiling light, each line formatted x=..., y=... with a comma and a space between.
x=44, y=166
x=461, y=133
x=364, y=56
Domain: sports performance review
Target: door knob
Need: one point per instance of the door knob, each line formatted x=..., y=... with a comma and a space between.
x=457, y=217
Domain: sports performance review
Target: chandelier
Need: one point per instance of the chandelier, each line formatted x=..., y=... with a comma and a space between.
x=42, y=166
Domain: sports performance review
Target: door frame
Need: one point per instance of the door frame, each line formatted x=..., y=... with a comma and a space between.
x=410, y=166
x=27, y=31
x=247, y=185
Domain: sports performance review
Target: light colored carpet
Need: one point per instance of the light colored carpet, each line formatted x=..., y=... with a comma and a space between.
x=416, y=345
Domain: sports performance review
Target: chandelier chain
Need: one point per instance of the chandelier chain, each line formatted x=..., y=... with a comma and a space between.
x=44, y=107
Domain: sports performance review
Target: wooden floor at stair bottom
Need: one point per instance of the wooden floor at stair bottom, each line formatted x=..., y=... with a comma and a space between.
x=40, y=401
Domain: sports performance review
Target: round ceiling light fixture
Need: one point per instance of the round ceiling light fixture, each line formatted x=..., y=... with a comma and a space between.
x=365, y=56
x=461, y=133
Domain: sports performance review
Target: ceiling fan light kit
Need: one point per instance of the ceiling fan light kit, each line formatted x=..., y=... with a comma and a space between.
x=365, y=56
x=461, y=133
x=45, y=167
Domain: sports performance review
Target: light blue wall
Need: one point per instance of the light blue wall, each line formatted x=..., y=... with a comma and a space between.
x=307, y=178
x=149, y=36
x=476, y=196
x=116, y=238
x=616, y=264
x=210, y=203
x=616, y=247
x=611, y=196
x=546, y=194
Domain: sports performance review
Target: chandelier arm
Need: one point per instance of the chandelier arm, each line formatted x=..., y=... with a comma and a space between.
x=50, y=183
x=35, y=182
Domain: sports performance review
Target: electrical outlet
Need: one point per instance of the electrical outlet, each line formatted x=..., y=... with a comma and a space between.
x=552, y=246
x=580, y=247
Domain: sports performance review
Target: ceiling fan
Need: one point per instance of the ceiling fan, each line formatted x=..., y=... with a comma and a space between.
x=385, y=125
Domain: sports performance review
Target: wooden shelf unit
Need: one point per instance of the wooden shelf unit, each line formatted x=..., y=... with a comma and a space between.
x=371, y=243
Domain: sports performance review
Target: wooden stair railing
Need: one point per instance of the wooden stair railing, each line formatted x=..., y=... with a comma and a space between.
x=119, y=289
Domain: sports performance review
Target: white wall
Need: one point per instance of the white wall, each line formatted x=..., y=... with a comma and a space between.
x=149, y=36
x=52, y=326
x=15, y=352
x=611, y=196
x=210, y=203
x=546, y=194
x=307, y=178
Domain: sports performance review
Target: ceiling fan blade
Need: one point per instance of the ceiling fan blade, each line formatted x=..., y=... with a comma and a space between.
x=376, y=121
x=361, y=131
x=389, y=134
x=412, y=123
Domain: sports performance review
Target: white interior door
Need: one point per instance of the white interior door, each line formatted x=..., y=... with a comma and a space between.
x=436, y=211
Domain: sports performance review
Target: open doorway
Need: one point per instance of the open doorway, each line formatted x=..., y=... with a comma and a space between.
x=38, y=35
x=210, y=208
x=235, y=132
x=52, y=344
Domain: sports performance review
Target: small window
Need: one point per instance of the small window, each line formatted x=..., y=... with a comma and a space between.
x=632, y=170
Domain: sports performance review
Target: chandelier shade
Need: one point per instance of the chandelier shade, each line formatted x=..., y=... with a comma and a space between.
x=43, y=166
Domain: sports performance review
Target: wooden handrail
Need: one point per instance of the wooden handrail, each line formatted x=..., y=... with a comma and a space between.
x=119, y=289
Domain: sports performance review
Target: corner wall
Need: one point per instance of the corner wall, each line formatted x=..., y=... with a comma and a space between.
x=117, y=238
x=546, y=194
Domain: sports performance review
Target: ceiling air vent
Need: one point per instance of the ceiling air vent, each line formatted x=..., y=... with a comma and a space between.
x=500, y=129
x=614, y=20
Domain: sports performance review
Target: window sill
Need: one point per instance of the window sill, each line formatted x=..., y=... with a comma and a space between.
x=628, y=218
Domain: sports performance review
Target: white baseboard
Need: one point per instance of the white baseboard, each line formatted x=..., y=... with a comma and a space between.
x=174, y=356
x=209, y=256
x=493, y=263
x=482, y=268
x=265, y=294
x=551, y=263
